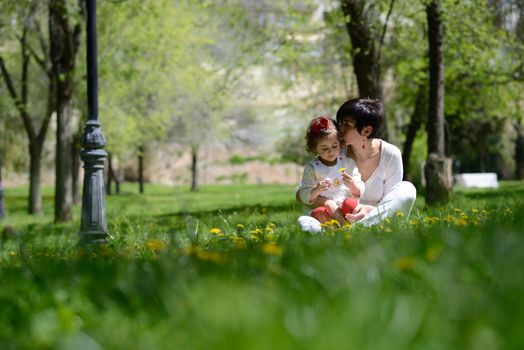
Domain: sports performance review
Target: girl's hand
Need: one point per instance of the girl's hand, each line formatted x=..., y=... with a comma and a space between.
x=359, y=213
x=346, y=178
x=323, y=185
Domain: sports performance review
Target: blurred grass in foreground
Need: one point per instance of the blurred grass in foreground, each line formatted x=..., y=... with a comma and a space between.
x=228, y=268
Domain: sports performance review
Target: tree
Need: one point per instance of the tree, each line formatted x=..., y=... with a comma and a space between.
x=439, y=180
x=366, y=46
x=64, y=38
x=20, y=96
x=145, y=49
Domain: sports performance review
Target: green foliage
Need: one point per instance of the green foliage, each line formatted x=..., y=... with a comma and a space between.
x=201, y=270
x=237, y=159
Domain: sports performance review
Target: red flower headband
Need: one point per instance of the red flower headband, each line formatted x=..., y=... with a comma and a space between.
x=320, y=124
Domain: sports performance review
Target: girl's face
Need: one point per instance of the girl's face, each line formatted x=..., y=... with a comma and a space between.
x=328, y=147
x=349, y=131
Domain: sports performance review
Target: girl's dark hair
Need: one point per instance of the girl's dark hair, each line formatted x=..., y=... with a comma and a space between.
x=364, y=111
x=318, y=128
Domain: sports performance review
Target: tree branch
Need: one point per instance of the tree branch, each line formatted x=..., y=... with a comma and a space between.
x=20, y=106
x=382, y=37
x=41, y=62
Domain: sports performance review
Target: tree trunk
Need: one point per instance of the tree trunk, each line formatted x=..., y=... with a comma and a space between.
x=110, y=173
x=519, y=150
x=439, y=178
x=35, y=197
x=141, y=169
x=64, y=164
x=2, y=207
x=64, y=43
x=435, y=123
x=77, y=148
x=414, y=126
x=366, y=56
x=117, y=184
x=194, y=169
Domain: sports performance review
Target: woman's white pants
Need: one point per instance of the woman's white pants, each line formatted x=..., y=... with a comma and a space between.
x=400, y=198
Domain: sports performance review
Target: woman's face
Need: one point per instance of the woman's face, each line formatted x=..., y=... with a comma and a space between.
x=349, y=131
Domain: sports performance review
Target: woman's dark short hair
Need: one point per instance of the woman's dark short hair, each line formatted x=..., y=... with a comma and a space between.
x=364, y=111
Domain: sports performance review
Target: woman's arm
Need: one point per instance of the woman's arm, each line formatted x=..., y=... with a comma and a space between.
x=393, y=168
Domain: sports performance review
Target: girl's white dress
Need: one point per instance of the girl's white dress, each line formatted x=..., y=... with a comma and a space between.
x=316, y=171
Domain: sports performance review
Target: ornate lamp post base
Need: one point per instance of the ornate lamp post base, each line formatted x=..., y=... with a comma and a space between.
x=93, y=228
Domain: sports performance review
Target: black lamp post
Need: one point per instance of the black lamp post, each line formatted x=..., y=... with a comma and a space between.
x=93, y=228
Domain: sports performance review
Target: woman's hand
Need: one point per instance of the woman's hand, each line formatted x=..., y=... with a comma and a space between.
x=359, y=213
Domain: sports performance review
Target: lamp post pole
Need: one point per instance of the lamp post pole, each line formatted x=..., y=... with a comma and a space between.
x=93, y=228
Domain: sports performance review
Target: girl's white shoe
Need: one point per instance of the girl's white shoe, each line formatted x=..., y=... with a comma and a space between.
x=309, y=224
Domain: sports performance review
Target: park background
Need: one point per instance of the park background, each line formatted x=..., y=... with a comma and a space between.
x=204, y=105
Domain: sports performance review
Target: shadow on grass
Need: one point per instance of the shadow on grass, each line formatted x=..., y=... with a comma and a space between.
x=509, y=191
x=235, y=210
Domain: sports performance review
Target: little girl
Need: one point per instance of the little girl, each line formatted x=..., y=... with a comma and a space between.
x=323, y=176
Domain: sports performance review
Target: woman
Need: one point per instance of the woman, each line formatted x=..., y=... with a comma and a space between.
x=379, y=163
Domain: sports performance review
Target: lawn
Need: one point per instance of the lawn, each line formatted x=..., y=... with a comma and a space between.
x=227, y=268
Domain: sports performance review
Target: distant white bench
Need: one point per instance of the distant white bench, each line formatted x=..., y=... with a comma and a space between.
x=477, y=180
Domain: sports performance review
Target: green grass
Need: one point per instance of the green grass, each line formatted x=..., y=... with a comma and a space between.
x=445, y=278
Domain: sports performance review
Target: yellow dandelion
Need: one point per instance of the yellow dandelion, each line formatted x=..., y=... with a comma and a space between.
x=215, y=230
x=404, y=263
x=269, y=230
x=400, y=214
x=430, y=220
x=346, y=226
x=342, y=170
x=155, y=244
x=240, y=226
x=272, y=249
x=413, y=222
x=271, y=225
x=330, y=224
x=461, y=222
x=449, y=218
x=256, y=232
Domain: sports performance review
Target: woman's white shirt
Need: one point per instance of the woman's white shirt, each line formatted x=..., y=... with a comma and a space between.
x=388, y=173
